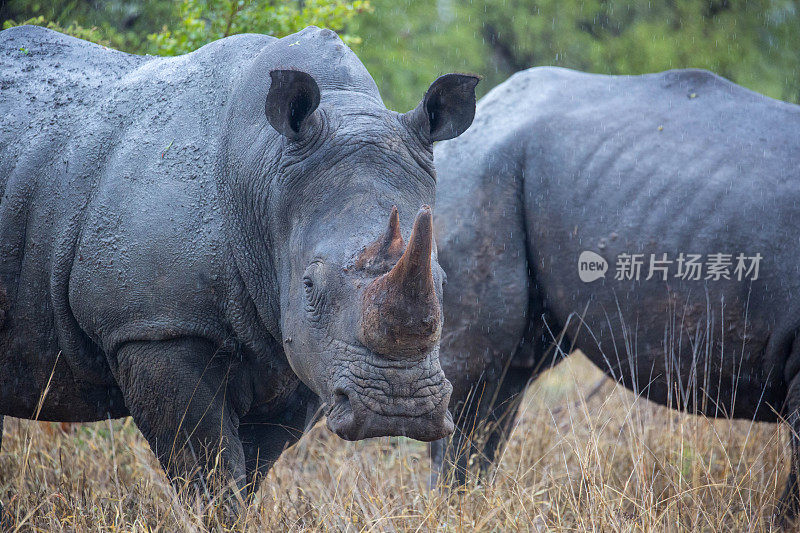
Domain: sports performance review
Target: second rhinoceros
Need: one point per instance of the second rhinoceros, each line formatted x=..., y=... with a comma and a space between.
x=649, y=221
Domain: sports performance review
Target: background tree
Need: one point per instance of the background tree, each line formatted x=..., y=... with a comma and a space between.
x=406, y=43
x=116, y=23
x=753, y=42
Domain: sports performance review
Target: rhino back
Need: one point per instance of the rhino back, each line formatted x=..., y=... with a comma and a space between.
x=681, y=161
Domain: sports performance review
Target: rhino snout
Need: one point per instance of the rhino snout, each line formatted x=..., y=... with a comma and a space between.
x=424, y=418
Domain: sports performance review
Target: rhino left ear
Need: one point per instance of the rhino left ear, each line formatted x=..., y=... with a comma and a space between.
x=292, y=99
x=448, y=107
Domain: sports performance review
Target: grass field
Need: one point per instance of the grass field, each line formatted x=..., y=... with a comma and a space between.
x=613, y=463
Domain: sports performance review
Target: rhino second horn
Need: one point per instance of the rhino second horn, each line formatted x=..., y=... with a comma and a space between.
x=391, y=244
x=401, y=316
x=386, y=250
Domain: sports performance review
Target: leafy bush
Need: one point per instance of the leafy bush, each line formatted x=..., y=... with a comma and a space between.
x=203, y=21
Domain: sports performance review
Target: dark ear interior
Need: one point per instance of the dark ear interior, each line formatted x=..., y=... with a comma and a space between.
x=448, y=107
x=293, y=96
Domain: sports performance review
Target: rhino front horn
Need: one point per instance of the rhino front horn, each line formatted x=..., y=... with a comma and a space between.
x=401, y=316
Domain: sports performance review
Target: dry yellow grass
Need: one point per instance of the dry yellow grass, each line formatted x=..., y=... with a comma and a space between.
x=612, y=464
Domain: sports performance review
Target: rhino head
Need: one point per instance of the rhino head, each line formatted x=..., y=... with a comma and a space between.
x=326, y=195
x=360, y=304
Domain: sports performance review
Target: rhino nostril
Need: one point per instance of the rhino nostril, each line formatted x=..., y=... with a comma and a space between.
x=341, y=400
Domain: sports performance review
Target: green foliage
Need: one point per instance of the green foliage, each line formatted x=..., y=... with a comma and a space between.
x=203, y=21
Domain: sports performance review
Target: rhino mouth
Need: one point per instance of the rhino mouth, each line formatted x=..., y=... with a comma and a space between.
x=375, y=397
x=352, y=424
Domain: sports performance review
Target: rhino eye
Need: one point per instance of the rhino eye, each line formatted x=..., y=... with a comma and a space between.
x=313, y=283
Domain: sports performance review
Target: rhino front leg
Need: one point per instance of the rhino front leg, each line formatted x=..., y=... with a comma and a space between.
x=265, y=436
x=175, y=392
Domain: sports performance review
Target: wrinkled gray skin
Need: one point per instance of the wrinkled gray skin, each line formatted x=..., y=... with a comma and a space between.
x=558, y=162
x=178, y=236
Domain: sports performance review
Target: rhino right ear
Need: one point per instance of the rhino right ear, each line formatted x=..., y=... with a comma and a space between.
x=292, y=99
x=448, y=107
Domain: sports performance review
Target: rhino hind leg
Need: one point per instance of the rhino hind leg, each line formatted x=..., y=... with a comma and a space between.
x=175, y=391
x=482, y=429
x=502, y=416
x=789, y=503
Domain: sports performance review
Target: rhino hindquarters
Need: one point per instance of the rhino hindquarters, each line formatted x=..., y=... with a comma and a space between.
x=789, y=503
